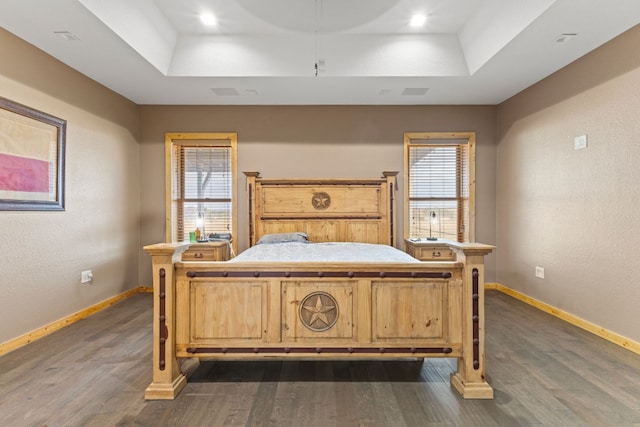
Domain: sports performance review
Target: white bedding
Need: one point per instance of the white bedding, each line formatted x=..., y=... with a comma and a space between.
x=323, y=252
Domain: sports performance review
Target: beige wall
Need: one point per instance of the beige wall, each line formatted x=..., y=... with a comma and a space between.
x=575, y=212
x=313, y=141
x=43, y=253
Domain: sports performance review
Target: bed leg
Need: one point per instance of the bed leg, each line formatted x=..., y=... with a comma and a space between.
x=165, y=391
x=471, y=390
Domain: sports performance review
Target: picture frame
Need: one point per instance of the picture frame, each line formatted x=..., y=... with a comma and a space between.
x=32, y=154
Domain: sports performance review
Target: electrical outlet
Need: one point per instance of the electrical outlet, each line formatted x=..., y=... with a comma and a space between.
x=86, y=276
x=539, y=272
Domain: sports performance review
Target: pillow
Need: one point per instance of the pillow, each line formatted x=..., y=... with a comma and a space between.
x=283, y=238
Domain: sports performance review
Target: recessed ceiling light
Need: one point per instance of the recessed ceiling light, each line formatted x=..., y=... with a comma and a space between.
x=208, y=19
x=418, y=20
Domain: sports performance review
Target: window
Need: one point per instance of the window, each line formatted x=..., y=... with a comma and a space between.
x=201, y=184
x=440, y=185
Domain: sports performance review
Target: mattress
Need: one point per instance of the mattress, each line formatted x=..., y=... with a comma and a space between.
x=324, y=252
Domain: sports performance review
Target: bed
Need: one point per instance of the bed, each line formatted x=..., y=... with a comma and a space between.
x=363, y=299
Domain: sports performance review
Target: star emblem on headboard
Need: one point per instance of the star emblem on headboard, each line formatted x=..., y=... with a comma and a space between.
x=321, y=200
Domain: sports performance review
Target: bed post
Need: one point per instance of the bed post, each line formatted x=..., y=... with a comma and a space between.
x=391, y=207
x=470, y=379
x=168, y=381
x=250, y=190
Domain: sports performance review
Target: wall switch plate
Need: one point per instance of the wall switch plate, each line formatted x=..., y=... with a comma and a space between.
x=86, y=276
x=539, y=272
x=580, y=142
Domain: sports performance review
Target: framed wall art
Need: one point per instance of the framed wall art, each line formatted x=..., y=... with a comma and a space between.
x=32, y=147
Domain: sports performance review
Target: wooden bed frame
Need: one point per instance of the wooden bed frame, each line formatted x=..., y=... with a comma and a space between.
x=231, y=311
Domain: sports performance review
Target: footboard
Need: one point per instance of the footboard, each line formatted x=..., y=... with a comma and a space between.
x=236, y=311
x=317, y=311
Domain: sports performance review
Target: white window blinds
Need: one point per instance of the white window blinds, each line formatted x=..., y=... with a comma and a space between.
x=438, y=189
x=201, y=190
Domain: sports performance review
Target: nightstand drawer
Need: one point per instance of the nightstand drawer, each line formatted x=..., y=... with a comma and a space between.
x=434, y=253
x=425, y=250
x=218, y=251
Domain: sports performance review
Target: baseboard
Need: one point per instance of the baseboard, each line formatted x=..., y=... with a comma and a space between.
x=29, y=337
x=568, y=317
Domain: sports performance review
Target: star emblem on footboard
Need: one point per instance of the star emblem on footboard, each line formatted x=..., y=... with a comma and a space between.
x=319, y=311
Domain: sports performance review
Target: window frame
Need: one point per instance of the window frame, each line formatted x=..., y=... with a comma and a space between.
x=411, y=139
x=207, y=139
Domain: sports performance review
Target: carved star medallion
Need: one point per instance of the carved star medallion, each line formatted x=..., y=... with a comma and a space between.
x=319, y=311
x=320, y=200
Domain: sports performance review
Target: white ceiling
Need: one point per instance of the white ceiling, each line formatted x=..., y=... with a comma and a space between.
x=264, y=52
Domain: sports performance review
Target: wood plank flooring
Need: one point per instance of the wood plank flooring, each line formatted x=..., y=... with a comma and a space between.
x=545, y=372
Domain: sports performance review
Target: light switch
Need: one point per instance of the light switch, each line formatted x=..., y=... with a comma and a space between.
x=580, y=142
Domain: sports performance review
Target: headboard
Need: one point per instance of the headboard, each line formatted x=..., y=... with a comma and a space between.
x=328, y=210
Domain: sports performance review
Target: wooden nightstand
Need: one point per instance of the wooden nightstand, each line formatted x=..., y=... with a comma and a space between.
x=207, y=251
x=429, y=250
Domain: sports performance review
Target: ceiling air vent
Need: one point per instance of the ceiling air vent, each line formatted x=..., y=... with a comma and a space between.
x=70, y=37
x=414, y=91
x=224, y=91
x=565, y=37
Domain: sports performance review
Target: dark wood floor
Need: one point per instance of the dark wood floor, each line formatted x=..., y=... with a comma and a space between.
x=544, y=372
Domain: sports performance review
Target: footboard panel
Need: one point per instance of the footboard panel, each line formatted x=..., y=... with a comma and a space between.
x=218, y=312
